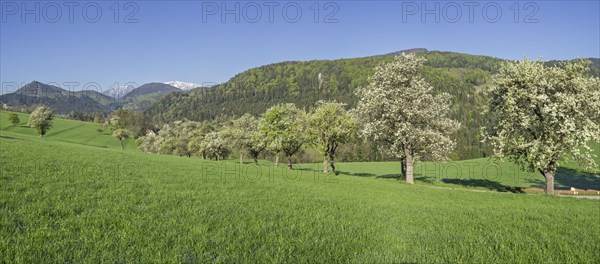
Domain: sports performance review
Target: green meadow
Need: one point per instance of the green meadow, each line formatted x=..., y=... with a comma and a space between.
x=73, y=196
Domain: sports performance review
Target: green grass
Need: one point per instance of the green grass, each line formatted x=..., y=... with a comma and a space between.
x=482, y=174
x=477, y=174
x=72, y=131
x=128, y=206
x=66, y=202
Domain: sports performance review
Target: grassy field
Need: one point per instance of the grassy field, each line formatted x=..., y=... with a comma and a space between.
x=481, y=174
x=477, y=174
x=74, y=197
x=64, y=130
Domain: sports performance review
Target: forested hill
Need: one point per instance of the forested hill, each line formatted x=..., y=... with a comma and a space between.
x=305, y=83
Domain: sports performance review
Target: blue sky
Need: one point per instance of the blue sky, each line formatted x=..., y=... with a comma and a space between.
x=189, y=41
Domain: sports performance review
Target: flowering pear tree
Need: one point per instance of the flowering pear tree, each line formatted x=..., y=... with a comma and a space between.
x=541, y=115
x=240, y=135
x=283, y=126
x=121, y=134
x=41, y=120
x=329, y=126
x=398, y=109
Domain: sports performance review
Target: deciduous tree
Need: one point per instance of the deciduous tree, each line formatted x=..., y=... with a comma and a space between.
x=329, y=126
x=541, y=115
x=41, y=120
x=284, y=127
x=240, y=134
x=399, y=109
x=215, y=146
x=121, y=134
x=13, y=119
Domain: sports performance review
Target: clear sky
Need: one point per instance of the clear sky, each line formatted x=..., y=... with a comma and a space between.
x=201, y=41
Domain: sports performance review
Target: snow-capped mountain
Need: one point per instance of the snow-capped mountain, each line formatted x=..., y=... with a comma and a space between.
x=120, y=91
x=183, y=85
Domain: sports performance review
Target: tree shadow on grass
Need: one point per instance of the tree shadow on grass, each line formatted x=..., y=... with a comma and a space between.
x=578, y=179
x=566, y=178
x=417, y=176
x=365, y=174
x=54, y=133
x=490, y=185
x=300, y=168
x=12, y=138
x=425, y=179
x=390, y=176
x=357, y=174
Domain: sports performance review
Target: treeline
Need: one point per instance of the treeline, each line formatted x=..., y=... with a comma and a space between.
x=465, y=77
x=305, y=83
x=283, y=130
x=97, y=117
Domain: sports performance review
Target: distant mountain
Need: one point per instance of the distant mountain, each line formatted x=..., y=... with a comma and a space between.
x=185, y=86
x=144, y=96
x=64, y=102
x=120, y=91
x=101, y=98
x=60, y=100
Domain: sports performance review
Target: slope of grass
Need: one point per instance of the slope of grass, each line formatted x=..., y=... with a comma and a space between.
x=476, y=173
x=64, y=202
x=73, y=131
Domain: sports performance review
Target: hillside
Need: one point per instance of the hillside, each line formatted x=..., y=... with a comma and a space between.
x=70, y=131
x=101, y=98
x=255, y=90
x=306, y=82
x=71, y=197
x=484, y=174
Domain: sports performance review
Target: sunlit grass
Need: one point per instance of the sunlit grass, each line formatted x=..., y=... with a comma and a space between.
x=64, y=202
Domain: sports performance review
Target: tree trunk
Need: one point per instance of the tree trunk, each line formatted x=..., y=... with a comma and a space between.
x=121, y=142
x=289, y=162
x=332, y=164
x=325, y=164
x=403, y=165
x=277, y=160
x=549, y=175
x=241, y=157
x=409, y=169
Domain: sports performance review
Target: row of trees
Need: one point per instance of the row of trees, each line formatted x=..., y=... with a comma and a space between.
x=186, y=138
x=282, y=129
x=538, y=115
x=305, y=83
x=397, y=110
